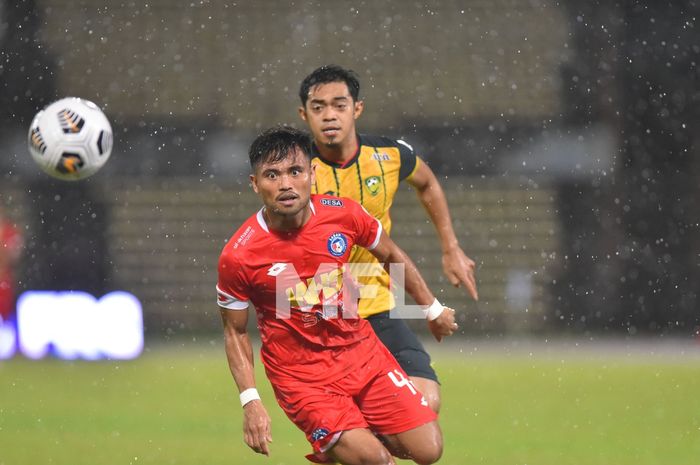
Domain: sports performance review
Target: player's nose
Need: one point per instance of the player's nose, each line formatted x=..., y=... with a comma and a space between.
x=285, y=182
x=328, y=114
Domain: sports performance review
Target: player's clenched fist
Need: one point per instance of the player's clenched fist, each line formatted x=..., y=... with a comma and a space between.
x=444, y=324
x=256, y=427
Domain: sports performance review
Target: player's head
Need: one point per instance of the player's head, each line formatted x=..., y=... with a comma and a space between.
x=282, y=173
x=277, y=143
x=327, y=74
x=330, y=104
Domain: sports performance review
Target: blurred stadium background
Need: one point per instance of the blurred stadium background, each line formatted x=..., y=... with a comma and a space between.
x=566, y=134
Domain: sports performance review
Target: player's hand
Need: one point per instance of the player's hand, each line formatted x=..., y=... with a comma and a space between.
x=460, y=269
x=256, y=427
x=444, y=325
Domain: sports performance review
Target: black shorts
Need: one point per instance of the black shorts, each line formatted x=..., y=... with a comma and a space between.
x=403, y=345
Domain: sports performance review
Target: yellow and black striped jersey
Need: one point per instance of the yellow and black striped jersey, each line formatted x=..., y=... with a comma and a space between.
x=371, y=178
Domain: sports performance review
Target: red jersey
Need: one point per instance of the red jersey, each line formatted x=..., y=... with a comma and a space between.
x=10, y=245
x=296, y=280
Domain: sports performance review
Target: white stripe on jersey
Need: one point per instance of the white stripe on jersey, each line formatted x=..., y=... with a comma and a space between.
x=228, y=301
x=375, y=243
x=403, y=142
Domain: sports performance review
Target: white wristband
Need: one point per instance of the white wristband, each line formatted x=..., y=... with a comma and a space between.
x=248, y=395
x=433, y=310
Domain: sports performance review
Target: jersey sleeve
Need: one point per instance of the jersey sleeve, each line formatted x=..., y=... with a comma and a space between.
x=232, y=287
x=369, y=229
x=409, y=160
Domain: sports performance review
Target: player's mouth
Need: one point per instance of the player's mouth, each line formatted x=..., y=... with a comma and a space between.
x=331, y=132
x=287, y=199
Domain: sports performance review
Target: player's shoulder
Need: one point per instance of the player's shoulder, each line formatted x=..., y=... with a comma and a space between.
x=379, y=142
x=241, y=240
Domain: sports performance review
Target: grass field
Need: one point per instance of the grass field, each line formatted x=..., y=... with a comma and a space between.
x=536, y=405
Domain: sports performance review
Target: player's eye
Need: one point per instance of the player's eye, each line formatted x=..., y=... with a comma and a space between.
x=341, y=106
x=296, y=172
x=271, y=175
x=316, y=107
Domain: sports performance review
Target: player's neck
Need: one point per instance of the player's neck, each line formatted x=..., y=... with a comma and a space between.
x=287, y=222
x=340, y=153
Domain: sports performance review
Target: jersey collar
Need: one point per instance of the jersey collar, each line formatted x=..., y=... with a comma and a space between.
x=315, y=153
x=261, y=220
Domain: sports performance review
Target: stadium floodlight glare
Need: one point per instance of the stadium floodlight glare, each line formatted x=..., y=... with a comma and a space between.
x=73, y=324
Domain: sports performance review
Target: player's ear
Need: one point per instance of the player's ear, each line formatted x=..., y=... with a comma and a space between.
x=359, y=106
x=254, y=183
x=302, y=113
x=313, y=174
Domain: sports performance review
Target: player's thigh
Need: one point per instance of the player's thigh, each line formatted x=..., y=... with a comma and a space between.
x=422, y=444
x=389, y=401
x=322, y=412
x=430, y=390
x=360, y=446
x=404, y=345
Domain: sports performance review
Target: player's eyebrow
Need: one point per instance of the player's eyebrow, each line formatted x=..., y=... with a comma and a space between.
x=318, y=100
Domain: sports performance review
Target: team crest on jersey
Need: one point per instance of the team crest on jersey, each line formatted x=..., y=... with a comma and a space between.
x=319, y=433
x=332, y=202
x=337, y=244
x=373, y=184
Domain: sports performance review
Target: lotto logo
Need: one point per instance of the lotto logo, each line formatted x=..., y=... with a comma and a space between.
x=276, y=269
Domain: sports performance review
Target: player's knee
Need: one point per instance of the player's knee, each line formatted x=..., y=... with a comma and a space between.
x=429, y=450
x=377, y=456
x=428, y=454
x=366, y=456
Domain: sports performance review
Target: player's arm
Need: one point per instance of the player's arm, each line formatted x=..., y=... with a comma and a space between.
x=10, y=249
x=239, y=351
x=4, y=258
x=441, y=320
x=456, y=265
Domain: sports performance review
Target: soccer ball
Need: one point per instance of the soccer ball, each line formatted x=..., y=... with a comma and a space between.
x=70, y=139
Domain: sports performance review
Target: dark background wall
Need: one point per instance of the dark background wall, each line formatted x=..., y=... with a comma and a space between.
x=594, y=104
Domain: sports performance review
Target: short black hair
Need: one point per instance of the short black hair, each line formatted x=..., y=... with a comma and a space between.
x=330, y=73
x=277, y=143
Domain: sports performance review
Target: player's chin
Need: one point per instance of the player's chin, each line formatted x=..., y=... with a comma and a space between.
x=289, y=208
x=333, y=141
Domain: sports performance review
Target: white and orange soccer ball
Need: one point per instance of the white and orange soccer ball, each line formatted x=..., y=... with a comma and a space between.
x=70, y=139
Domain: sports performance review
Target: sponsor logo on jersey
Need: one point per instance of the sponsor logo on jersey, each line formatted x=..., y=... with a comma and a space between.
x=244, y=237
x=380, y=156
x=332, y=202
x=373, y=184
x=337, y=244
x=276, y=269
